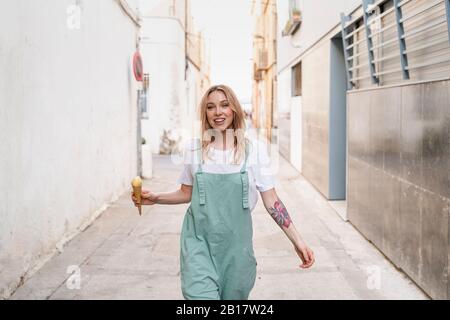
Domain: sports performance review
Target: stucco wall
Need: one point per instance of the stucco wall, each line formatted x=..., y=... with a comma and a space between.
x=67, y=122
x=164, y=61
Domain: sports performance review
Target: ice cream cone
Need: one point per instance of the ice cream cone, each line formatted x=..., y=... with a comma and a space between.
x=137, y=190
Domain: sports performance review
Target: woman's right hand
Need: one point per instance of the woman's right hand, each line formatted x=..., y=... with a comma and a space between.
x=147, y=198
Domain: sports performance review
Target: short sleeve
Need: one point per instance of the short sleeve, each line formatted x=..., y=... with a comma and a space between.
x=188, y=160
x=260, y=165
x=186, y=176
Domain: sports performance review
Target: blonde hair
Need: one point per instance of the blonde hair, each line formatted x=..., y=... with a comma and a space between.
x=238, y=124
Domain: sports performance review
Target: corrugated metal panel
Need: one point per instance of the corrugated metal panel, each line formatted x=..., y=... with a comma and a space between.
x=389, y=54
x=430, y=46
x=362, y=74
x=418, y=26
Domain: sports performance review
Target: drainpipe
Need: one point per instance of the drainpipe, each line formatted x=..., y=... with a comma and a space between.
x=185, y=39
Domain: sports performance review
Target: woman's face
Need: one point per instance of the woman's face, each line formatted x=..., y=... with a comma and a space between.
x=218, y=111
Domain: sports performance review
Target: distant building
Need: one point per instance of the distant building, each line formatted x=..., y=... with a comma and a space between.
x=176, y=60
x=264, y=86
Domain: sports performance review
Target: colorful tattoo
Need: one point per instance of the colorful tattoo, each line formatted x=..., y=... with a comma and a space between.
x=280, y=214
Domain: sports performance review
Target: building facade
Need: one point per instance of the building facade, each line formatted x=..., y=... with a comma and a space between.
x=177, y=64
x=367, y=87
x=264, y=85
x=197, y=75
x=68, y=122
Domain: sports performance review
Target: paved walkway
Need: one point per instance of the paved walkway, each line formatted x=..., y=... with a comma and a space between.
x=125, y=256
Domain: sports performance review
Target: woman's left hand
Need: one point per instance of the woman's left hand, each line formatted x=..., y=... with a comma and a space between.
x=305, y=254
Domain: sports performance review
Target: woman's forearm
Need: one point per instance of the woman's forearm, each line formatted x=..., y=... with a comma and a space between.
x=281, y=216
x=174, y=197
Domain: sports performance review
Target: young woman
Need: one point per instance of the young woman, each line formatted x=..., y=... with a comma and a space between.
x=221, y=178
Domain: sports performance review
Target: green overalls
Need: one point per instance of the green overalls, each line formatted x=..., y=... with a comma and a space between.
x=217, y=259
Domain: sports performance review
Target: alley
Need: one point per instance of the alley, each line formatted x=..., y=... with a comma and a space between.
x=126, y=256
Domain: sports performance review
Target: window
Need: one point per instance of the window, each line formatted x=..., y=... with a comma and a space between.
x=297, y=80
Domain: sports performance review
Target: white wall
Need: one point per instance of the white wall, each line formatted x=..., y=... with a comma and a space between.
x=172, y=98
x=296, y=133
x=163, y=50
x=190, y=115
x=67, y=122
x=283, y=113
x=319, y=17
x=292, y=106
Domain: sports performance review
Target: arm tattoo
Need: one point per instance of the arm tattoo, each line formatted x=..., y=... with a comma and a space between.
x=279, y=214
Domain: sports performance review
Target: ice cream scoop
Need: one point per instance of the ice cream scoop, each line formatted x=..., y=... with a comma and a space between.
x=137, y=190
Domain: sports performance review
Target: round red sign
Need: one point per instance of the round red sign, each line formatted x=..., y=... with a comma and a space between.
x=137, y=66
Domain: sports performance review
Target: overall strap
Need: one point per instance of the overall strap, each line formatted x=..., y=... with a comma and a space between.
x=199, y=175
x=244, y=165
x=199, y=155
x=244, y=179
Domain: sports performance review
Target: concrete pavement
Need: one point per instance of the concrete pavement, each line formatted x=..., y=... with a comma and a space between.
x=125, y=256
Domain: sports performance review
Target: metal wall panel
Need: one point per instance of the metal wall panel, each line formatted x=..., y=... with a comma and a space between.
x=399, y=177
x=412, y=134
x=410, y=230
x=434, y=240
x=436, y=148
x=389, y=206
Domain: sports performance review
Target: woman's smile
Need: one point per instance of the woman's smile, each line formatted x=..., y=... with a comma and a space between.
x=219, y=121
x=218, y=111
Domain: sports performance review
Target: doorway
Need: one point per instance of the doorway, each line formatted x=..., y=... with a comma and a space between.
x=338, y=127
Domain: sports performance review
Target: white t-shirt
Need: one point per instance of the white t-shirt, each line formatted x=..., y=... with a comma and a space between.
x=258, y=164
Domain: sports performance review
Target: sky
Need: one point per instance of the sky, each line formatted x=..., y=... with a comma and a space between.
x=227, y=27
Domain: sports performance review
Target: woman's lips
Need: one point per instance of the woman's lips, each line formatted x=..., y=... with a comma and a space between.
x=219, y=121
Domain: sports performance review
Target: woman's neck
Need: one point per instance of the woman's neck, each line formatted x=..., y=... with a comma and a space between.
x=225, y=141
